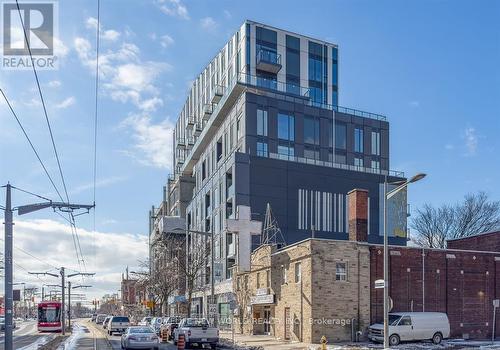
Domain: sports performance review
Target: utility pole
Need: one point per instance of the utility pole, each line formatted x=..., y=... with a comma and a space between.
x=8, y=269
x=69, y=304
x=9, y=228
x=63, y=309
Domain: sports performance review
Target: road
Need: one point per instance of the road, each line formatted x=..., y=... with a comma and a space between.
x=26, y=336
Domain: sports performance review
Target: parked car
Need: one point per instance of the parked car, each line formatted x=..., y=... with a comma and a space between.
x=139, y=337
x=146, y=321
x=100, y=318
x=411, y=326
x=105, y=322
x=118, y=324
x=156, y=324
x=169, y=325
x=197, y=332
x=93, y=317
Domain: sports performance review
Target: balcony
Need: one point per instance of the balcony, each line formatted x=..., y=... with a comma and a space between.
x=181, y=143
x=197, y=129
x=268, y=61
x=217, y=93
x=207, y=111
x=190, y=123
x=191, y=141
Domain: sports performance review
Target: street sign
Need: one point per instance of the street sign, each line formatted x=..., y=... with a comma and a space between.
x=150, y=304
x=496, y=302
x=379, y=284
x=212, y=309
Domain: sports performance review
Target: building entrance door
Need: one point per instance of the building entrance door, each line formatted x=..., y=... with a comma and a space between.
x=267, y=321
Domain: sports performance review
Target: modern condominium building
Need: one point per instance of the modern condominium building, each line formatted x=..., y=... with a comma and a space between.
x=262, y=124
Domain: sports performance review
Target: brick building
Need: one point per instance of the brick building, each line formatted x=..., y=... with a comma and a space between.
x=325, y=287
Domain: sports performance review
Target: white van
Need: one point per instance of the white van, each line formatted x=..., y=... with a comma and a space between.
x=409, y=326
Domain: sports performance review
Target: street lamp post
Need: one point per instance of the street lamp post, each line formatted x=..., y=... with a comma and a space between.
x=387, y=195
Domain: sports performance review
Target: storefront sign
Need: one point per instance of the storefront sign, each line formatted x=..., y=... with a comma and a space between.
x=262, y=299
x=261, y=291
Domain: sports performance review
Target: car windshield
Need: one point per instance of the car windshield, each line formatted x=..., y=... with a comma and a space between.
x=120, y=319
x=192, y=322
x=393, y=319
x=141, y=330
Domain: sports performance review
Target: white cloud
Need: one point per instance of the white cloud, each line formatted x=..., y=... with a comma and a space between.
x=414, y=104
x=208, y=23
x=166, y=40
x=174, y=8
x=449, y=147
x=153, y=141
x=227, y=14
x=65, y=103
x=471, y=141
x=105, y=253
x=111, y=35
x=54, y=83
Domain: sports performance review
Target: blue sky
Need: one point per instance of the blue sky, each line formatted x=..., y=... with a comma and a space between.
x=430, y=66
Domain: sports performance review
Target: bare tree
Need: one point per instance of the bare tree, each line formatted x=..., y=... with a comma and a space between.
x=192, y=264
x=435, y=225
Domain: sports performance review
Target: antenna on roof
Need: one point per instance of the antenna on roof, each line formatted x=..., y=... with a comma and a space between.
x=271, y=233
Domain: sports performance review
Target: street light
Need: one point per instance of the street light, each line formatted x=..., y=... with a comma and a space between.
x=387, y=195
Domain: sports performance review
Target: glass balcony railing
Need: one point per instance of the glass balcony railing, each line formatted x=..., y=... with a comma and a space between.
x=336, y=165
x=268, y=56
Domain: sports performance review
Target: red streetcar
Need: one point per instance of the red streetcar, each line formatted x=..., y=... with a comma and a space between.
x=49, y=316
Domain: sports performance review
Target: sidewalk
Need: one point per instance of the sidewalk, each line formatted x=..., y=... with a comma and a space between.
x=267, y=342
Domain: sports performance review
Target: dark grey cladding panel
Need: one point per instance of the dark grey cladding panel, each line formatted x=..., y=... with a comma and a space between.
x=251, y=98
x=285, y=105
x=342, y=117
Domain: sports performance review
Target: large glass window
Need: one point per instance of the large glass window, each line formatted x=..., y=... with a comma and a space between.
x=311, y=130
x=292, y=64
x=311, y=153
x=285, y=152
x=262, y=149
x=261, y=122
x=376, y=143
x=375, y=164
x=340, y=158
x=286, y=127
x=358, y=140
x=358, y=162
x=340, y=136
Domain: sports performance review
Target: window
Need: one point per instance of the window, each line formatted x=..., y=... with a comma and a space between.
x=238, y=282
x=284, y=278
x=239, y=130
x=286, y=127
x=358, y=140
x=285, y=152
x=341, y=271
x=405, y=321
x=340, y=136
x=340, y=158
x=375, y=164
x=298, y=272
x=258, y=280
x=203, y=170
x=311, y=153
x=311, y=130
x=268, y=279
x=261, y=122
x=376, y=143
x=358, y=162
x=262, y=149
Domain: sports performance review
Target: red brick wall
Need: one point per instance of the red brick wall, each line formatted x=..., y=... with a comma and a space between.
x=489, y=242
x=463, y=287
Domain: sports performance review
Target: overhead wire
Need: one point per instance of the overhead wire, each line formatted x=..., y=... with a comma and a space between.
x=79, y=253
x=96, y=109
x=31, y=144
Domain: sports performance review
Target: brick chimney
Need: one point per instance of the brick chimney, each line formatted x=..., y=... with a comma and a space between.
x=358, y=215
